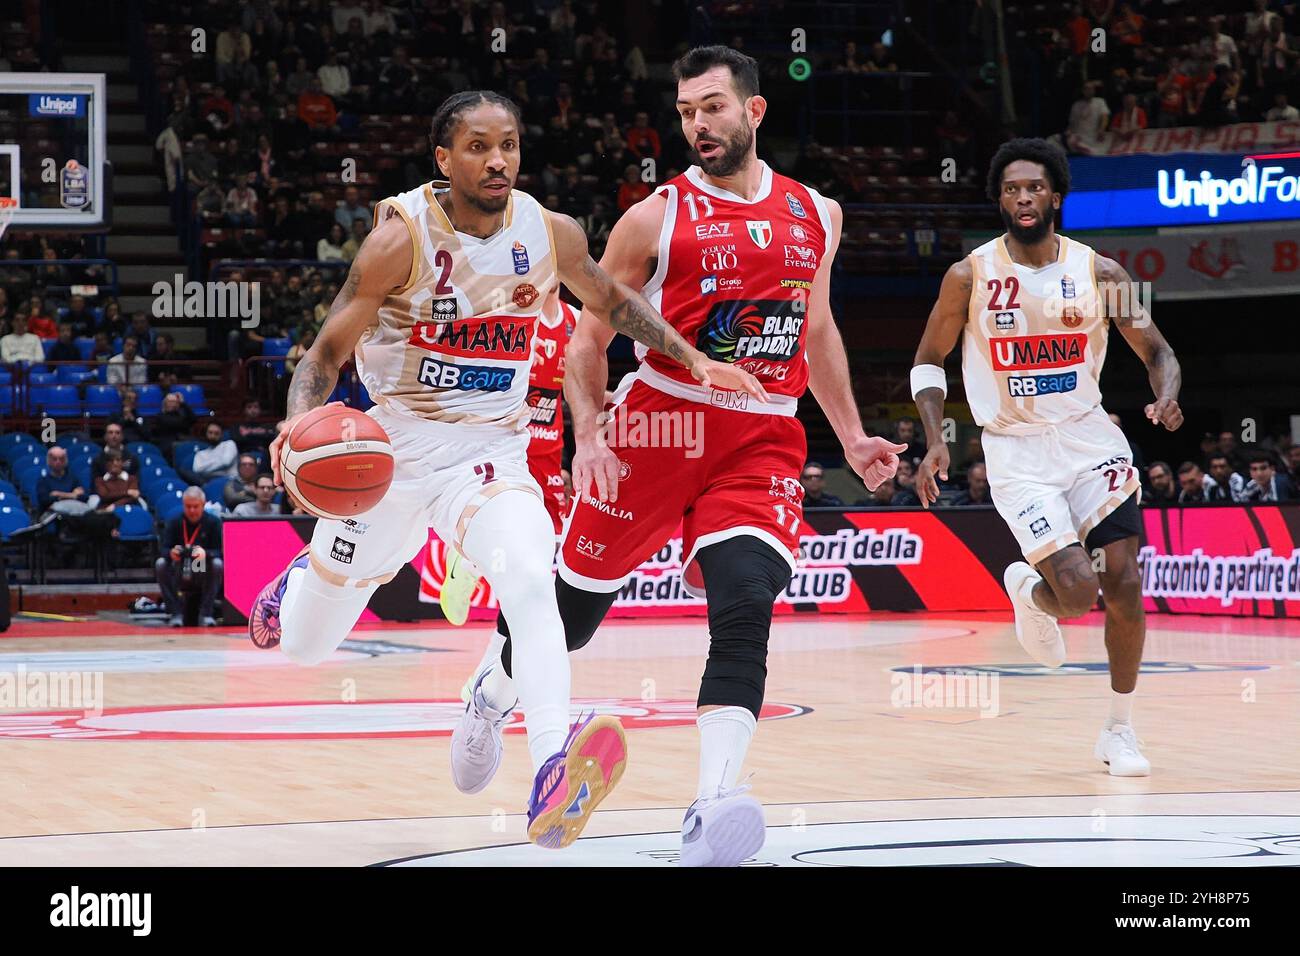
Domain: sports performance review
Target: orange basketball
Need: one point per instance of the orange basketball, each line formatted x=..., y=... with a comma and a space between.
x=337, y=461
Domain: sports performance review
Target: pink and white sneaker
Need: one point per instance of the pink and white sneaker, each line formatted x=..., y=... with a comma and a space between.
x=573, y=782
x=264, y=617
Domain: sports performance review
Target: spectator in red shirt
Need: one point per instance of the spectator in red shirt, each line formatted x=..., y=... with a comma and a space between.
x=642, y=139
x=218, y=110
x=1128, y=26
x=316, y=109
x=1080, y=31
x=1130, y=117
x=1172, y=87
x=38, y=323
x=632, y=190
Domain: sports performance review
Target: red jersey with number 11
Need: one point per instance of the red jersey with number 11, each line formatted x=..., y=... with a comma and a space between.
x=734, y=276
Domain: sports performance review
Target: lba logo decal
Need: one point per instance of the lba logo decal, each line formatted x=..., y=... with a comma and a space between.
x=760, y=231
x=329, y=720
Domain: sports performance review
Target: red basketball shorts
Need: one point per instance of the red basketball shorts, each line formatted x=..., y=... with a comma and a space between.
x=545, y=469
x=718, y=472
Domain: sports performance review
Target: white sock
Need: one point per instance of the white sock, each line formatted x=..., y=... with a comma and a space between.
x=316, y=616
x=1121, y=708
x=513, y=532
x=498, y=688
x=725, y=734
x=1027, y=590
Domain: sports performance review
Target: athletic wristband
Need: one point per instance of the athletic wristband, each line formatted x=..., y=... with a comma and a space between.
x=929, y=376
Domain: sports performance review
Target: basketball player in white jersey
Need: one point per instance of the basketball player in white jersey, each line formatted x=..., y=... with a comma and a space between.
x=439, y=309
x=1035, y=307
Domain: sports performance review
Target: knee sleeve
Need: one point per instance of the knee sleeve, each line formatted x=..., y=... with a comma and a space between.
x=742, y=577
x=317, y=616
x=581, y=611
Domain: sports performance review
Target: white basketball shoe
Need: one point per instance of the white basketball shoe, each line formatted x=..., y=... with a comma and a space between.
x=476, y=742
x=1037, y=631
x=1117, y=747
x=722, y=830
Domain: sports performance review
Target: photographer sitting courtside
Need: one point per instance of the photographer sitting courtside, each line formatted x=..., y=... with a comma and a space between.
x=191, y=551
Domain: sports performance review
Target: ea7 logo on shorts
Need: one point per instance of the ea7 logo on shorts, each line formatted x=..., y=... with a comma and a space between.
x=1026, y=352
x=342, y=551
x=465, y=378
x=1027, y=386
x=590, y=548
x=1039, y=527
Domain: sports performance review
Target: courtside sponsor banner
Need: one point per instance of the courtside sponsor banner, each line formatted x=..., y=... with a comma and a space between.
x=1236, y=560
x=1204, y=261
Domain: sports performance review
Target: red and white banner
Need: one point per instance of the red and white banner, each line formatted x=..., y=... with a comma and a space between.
x=1202, y=262
x=1250, y=138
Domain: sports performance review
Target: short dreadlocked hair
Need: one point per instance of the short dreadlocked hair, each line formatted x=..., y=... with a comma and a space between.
x=1050, y=156
x=448, y=116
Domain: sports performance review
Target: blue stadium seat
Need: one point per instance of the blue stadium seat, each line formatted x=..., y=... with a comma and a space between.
x=193, y=398
x=142, y=448
x=16, y=444
x=153, y=478
x=32, y=460
x=28, y=480
x=86, y=347
x=137, y=523
x=279, y=346
x=215, y=489
x=48, y=346
x=6, y=377
x=117, y=345
x=148, y=399
x=73, y=374
x=168, y=506
x=61, y=401
x=42, y=378
x=103, y=400
x=80, y=469
x=7, y=488
x=183, y=454
x=12, y=517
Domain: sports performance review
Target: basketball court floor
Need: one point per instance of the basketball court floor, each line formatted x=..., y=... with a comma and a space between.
x=887, y=740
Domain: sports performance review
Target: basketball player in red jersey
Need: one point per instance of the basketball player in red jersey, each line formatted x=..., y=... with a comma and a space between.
x=737, y=258
x=555, y=327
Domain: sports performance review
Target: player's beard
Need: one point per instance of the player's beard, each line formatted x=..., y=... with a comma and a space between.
x=1026, y=235
x=488, y=203
x=735, y=150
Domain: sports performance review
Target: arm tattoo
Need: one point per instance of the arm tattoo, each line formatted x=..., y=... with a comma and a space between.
x=634, y=317
x=311, y=384
x=312, y=381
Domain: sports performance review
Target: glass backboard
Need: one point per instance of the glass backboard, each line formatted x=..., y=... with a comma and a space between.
x=53, y=148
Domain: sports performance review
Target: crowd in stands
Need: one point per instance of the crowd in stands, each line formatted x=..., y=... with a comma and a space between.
x=1162, y=64
x=1224, y=471
x=263, y=126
